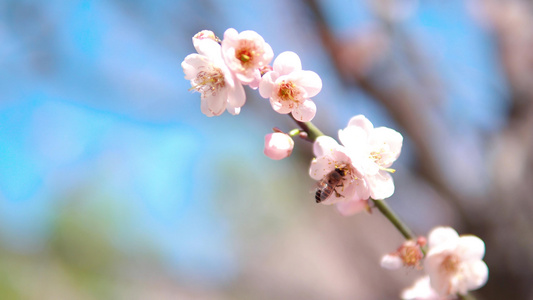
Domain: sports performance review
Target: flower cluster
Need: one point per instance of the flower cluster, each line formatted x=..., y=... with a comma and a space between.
x=220, y=69
x=453, y=265
x=365, y=157
x=352, y=174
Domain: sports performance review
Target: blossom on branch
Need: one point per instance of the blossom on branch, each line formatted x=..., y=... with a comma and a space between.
x=365, y=156
x=278, y=145
x=409, y=254
x=289, y=88
x=454, y=263
x=219, y=88
x=351, y=193
x=245, y=54
x=374, y=150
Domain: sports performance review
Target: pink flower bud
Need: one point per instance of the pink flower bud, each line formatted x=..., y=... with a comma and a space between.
x=278, y=145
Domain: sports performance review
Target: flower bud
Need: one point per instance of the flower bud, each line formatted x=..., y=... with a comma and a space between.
x=278, y=145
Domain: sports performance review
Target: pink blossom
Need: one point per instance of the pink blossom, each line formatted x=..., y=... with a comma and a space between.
x=454, y=263
x=278, y=145
x=245, y=54
x=421, y=290
x=409, y=254
x=290, y=88
x=351, y=193
x=209, y=75
x=374, y=150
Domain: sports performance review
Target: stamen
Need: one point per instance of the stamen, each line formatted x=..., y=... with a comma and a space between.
x=288, y=92
x=209, y=81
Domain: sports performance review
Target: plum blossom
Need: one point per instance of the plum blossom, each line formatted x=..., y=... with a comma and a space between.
x=454, y=263
x=290, y=88
x=352, y=192
x=219, y=88
x=374, y=150
x=365, y=156
x=409, y=254
x=278, y=145
x=245, y=54
x=421, y=290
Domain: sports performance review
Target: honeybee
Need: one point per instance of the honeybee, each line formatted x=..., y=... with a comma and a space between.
x=329, y=183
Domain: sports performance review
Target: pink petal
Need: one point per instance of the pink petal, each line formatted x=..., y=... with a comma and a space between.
x=287, y=62
x=309, y=81
x=321, y=166
x=477, y=274
x=348, y=208
x=361, y=122
x=216, y=104
x=354, y=138
x=208, y=48
x=443, y=236
x=236, y=96
x=269, y=54
x=381, y=185
x=257, y=80
x=325, y=145
x=470, y=248
x=230, y=34
x=279, y=107
x=192, y=63
x=278, y=145
x=391, y=262
x=440, y=281
x=233, y=110
x=266, y=86
x=305, y=112
x=393, y=140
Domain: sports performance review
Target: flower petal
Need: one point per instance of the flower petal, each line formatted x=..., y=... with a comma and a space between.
x=392, y=140
x=287, y=62
x=208, y=47
x=361, y=122
x=279, y=107
x=236, y=96
x=391, y=262
x=349, y=208
x=321, y=166
x=216, y=104
x=266, y=86
x=309, y=81
x=470, y=248
x=381, y=185
x=324, y=145
x=192, y=63
x=477, y=273
x=354, y=138
x=440, y=236
x=305, y=112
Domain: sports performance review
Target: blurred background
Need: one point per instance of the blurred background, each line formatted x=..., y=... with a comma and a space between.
x=113, y=184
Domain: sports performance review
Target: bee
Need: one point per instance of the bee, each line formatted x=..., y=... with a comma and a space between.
x=329, y=183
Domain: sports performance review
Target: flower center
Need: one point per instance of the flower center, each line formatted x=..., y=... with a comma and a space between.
x=450, y=264
x=209, y=81
x=411, y=255
x=246, y=53
x=377, y=157
x=288, y=92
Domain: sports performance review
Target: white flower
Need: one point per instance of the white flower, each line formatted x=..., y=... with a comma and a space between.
x=454, y=263
x=209, y=75
x=352, y=192
x=374, y=150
